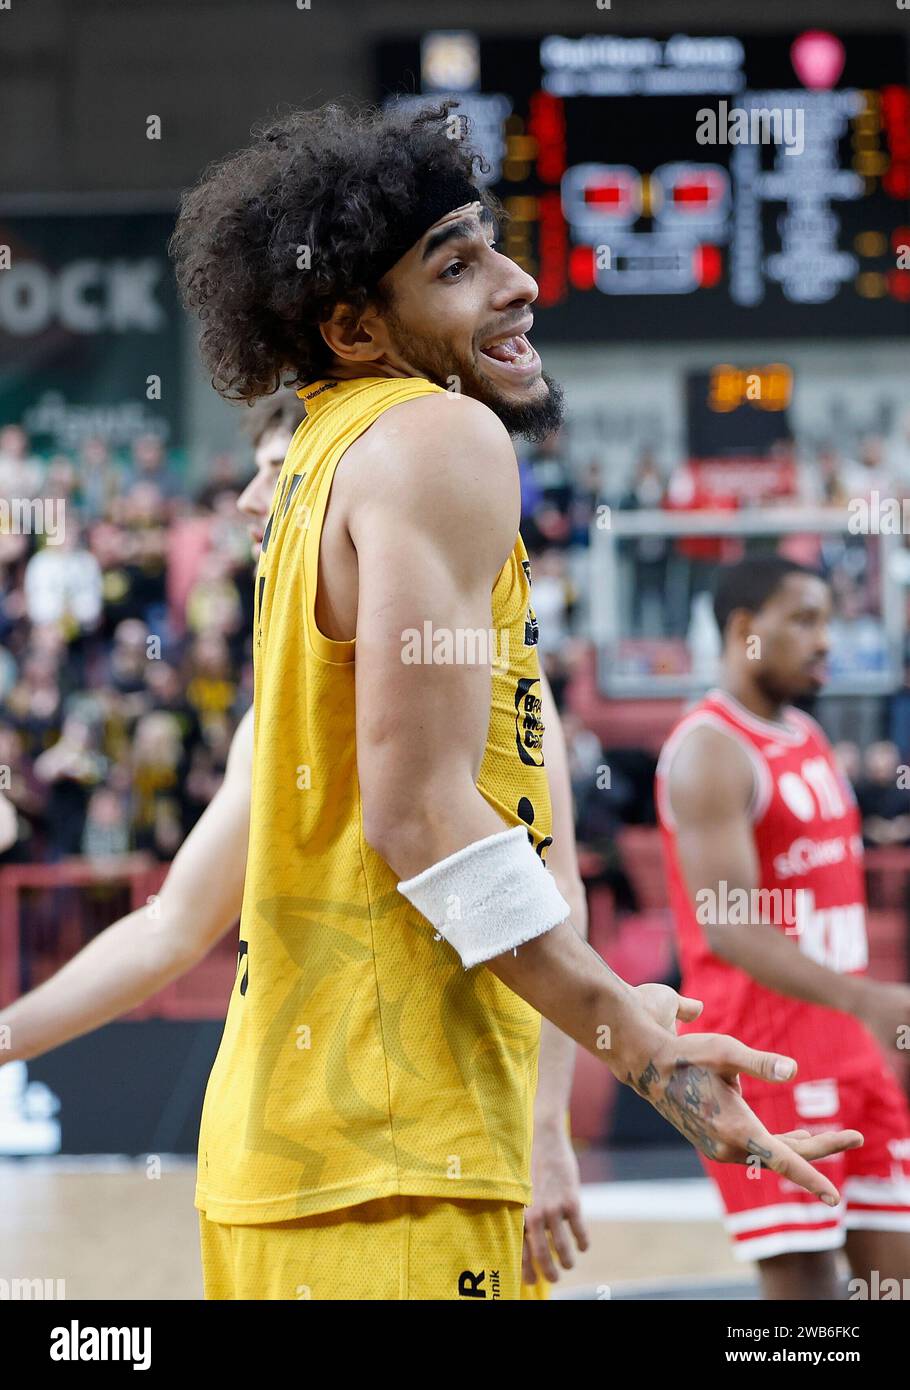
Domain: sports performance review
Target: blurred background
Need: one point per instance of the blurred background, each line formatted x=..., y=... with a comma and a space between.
x=731, y=325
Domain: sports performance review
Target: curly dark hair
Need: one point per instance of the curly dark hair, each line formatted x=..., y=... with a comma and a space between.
x=323, y=179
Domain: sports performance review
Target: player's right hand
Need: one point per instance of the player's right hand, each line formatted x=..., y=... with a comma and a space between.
x=693, y=1082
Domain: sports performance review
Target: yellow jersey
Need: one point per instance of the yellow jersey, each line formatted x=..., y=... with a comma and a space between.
x=359, y=1058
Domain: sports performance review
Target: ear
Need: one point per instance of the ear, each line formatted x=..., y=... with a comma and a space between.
x=740, y=625
x=355, y=336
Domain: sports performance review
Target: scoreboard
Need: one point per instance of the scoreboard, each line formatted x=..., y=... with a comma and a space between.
x=687, y=186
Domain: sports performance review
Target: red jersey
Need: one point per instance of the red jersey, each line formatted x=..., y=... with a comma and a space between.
x=811, y=887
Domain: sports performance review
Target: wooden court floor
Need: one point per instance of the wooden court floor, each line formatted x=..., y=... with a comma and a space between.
x=118, y=1233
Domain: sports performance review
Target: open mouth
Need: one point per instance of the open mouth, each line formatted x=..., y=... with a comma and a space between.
x=516, y=350
x=512, y=351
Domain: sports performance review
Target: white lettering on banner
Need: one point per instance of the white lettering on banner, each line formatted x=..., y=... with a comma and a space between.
x=832, y=936
x=86, y=296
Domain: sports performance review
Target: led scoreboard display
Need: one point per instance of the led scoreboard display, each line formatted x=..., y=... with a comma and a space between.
x=689, y=187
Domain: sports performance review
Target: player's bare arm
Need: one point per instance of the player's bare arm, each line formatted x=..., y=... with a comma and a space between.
x=711, y=789
x=147, y=949
x=431, y=532
x=554, y=1217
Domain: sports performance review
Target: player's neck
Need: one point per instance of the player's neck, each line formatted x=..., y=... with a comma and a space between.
x=350, y=371
x=745, y=693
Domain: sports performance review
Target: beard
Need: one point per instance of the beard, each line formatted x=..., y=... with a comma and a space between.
x=532, y=419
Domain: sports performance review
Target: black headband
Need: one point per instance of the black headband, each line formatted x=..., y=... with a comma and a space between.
x=440, y=191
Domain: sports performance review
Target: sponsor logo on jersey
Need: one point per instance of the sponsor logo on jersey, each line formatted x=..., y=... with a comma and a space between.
x=528, y=721
x=470, y=1284
x=816, y=1100
x=805, y=854
x=833, y=936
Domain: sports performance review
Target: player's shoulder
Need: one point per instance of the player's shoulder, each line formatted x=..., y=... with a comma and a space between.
x=801, y=720
x=704, y=744
x=705, y=760
x=445, y=455
x=440, y=424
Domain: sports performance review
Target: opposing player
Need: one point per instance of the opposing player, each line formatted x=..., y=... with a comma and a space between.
x=366, y=1129
x=765, y=865
x=201, y=897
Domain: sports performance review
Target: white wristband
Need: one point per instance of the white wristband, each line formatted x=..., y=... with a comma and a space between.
x=489, y=897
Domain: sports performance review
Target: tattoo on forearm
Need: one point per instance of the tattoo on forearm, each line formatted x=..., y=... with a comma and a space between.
x=646, y=1080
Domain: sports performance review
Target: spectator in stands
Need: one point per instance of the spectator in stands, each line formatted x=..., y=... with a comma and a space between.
x=553, y=597
x=13, y=556
x=584, y=753
x=145, y=517
x=857, y=637
x=21, y=473
x=63, y=583
x=71, y=768
x=107, y=831
x=898, y=457
x=557, y=673
x=898, y=722
x=870, y=473
x=553, y=483
x=34, y=704
x=884, y=800
x=61, y=482
x=166, y=693
x=849, y=760
x=598, y=798
x=204, y=777
x=129, y=658
x=22, y=791
x=157, y=770
x=97, y=476
x=586, y=499
x=149, y=464
x=646, y=555
x=211, y=684
x=214, y=603
x=833, y=488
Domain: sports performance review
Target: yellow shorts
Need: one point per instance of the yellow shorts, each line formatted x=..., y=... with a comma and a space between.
x=391, y=1248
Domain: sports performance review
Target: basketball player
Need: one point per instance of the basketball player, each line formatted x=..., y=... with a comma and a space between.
x=764, y=858
x=366, y=1129
x=201, y=896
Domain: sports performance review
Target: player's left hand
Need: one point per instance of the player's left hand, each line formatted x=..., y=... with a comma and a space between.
x=553, y=1222
x=668, y=1008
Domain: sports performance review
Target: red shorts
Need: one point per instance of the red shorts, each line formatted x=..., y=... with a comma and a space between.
x=769, y=1215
